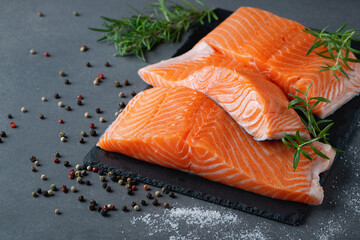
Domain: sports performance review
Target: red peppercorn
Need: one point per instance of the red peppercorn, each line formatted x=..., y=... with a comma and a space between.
x=80, y=97
x=94, y=169
x=146, y=187
x=47, y=54
x=13, y=125
x=56, y=160
x=101, y=76
x=72, y=171
x=71, y=176
x=61, y=121
x=105, y=207
x=133, y=188
x=92, y=125
x=84, y=48
x=64, y=189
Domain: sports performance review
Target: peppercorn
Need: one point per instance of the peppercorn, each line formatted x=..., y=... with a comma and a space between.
x=133, y=93
x=166, y=205
x=101, y=119
x=87, y=182
x=84, y=48
x=128, y=186
x=122, y=104
x=53, y=187
x=43, y=177
x=67, y=82
x=42, y=116
x=103, y=212
x=37, y=163
x=79, y=102
x=62, y=134
x=79, y=180
x=112, y=207
x=126, y=82
x=101, y=172
x=9, y=116
x=61, y=121
x=23, y=109
x=164, y=190
x=57, y=154
x=87, y=64
x=97, y=110
x=94, y=169
x=81, y=198
x=47, y=54
x=108, y=189
x=60, y=104
x=43, y=99
x=78, y=166
x=75, y=13
x=62, y=73
x=32, y=51
x=92, y=125
x=101, y=76
x=45, y=193
x=117, y=84
x=172, y=195
x=124, y=208
x=133, y=204
x=33, y=169
x=146, y=187
x=93, y=133
x=149, y=195
x=111, y=173
x=66, y=164
x=77, y=174
x=121, y=182
x=129, y=191
x=83, y=172
x=99, y=209
x=92, y=202
x=102, y=178
x=73, y=189
x=155, y=202
x=34, y=194
x=1, y=140
x=96, y=81
x=88, y=168
x=68, y=108
x=50, y=193
x=13, y=125
x=39, y=191
x=87, y=115
x=136, y=208
x=113, y=178
x=57, y=211
x=32, y=158
x=63, y=139
x=143, y=202
x=40, y=14
x=64, y=189
x=71, y=175
x=92, y=207
x=107, y=64
x=133, y=187
x=157, y=193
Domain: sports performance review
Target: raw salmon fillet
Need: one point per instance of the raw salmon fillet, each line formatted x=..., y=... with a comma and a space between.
x=277, y=47
x=184, y=129
x=255, y=103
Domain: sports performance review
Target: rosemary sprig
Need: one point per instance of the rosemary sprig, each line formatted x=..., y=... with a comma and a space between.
x=313, y=126
x=138, y=34
x=338, y=46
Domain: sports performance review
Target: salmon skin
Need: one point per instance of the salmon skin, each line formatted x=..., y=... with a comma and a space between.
x=183, y=129
x=254, y=102
x=271, y=45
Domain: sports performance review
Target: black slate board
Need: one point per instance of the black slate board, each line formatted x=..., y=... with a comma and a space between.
x=287, y=212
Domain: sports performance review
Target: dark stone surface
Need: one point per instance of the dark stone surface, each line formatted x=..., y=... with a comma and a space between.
x=25, y=78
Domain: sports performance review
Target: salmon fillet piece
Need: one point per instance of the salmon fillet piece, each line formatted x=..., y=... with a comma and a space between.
x=277, y=47
x=255, y=103
x=183, y=129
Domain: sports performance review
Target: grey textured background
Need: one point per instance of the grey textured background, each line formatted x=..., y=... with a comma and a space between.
x=25, y=78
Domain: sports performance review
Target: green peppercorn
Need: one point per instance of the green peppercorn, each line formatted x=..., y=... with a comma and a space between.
x=77, y=174
x=53, y=187
x=102, y=178
x=79, y=180
x=128, y=186
x=121, y=182
x=62, y=134
x=111, y=173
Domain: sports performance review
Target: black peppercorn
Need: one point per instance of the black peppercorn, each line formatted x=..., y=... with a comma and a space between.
x=93, y=133
x=81, y=140
x=81, y=198
x=133, y=204
x=45, y=193
x=133, y=93
x=97, y=110
x=107, y=64
x=149, y=195
x=143, y=202
x=108, y=189
x=123, y=178
x=166, y=205
x=33, y=169
x=56, y=96
x=104, y=212
x=92, y=207
x=155, y=202
x=32, y=158
x=129, y=192
x=88, y=182
x=42, y=116
x=172, y=195
x=1, y=140
x=9, y=116
x=87, y=64
x=66, y=164
x=126, y=82
x=124, y=208
x=99, y=209
x=114, y=178
x=3, y=134
x=67, y=81
x=122, y=104
x=79, y=102
x=68, y=108
x=39, y=191
x=101, y=172
x=104, y=185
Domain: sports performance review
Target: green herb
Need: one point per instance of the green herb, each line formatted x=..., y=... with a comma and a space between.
x=140, y=33
x=338, y=48
x=313, y=126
